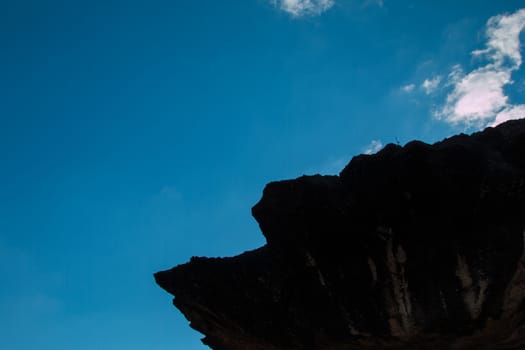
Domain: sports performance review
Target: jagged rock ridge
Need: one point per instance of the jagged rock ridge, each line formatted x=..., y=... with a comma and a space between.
x=415, y=247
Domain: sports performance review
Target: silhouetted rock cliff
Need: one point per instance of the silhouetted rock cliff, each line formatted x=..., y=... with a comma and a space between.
x=415, y=247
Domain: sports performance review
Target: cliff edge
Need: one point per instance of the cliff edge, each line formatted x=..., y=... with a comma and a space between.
x=415, y=247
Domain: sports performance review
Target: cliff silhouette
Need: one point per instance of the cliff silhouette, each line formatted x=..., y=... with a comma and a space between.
x=415, y=247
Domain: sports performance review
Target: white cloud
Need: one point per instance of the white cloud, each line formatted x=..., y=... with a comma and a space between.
x=408, y=88
x=430, y=85
x=300, y=8
x=503, y=34
x=374, y=147
x=478, y=98
x=509, y=113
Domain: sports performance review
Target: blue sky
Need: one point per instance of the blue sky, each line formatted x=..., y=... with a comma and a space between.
x=138, y=134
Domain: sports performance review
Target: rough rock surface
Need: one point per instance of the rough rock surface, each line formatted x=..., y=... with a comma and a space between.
x=415, y=247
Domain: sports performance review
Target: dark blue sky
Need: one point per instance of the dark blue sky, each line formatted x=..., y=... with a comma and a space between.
x=135, y=135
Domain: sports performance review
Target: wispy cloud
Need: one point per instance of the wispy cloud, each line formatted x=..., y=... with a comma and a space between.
x=408, y=87
x=478, y=98
x=430, y=85
x=509, y=113
x=301, y=8
x=374, y=147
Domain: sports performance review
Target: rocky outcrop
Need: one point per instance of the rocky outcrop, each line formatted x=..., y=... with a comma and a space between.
x=415, y=247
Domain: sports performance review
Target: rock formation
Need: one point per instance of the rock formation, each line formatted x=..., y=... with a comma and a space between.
x=415, y=247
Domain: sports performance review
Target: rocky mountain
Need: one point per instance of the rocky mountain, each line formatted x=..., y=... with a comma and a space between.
x=415, y=247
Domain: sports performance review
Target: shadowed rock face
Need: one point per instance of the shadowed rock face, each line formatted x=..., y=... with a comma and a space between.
x=415, y=247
